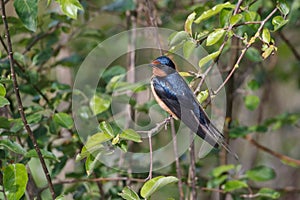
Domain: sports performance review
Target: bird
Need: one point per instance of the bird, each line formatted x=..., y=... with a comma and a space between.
x=173, y=95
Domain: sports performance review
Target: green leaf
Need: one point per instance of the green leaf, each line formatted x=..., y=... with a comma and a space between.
x=234, y=185
x=46, y=154
x=4, y=123
x=129, y=134
x=27, y=12
x=239, y=131
x=213, y=11
x=116, y=140
x=93, y=144
x=283, y=7
x=253, y=55
x=224, y=17
x=12, y=146
x=202, y=96
x=3, y=102
x=189, y=22
x=14, y=181
x=217, y=181
x=99, y=104
x=120, y=5
x=34, y=118
x=91, y=163
x=269, y=193
x=20, y=58
x=253, y=84
x=129, y=194
x=266, y=37
x=208, y=58
x=70, y=7
x=278, y=22
x=106, y=128
x=214, y=37
x=251, y=16
x=268, y=51
x=261, y=173
x=251, y=102
x=235, y=19
x=222, y=169
x=178, y=38
x=64, y=120
x=42, y=56
x=155, y=184
x=188, y=48
x=2, y=90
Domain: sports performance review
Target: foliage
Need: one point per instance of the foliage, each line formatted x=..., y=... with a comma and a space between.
x=46, y=40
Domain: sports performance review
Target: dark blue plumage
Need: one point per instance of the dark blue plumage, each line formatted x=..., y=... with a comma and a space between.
x=175, y=96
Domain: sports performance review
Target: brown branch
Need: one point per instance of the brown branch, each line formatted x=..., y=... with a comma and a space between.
x=150, y=133
x=178, y=171
x=204, y=75
x=25, y=75
x=71, y=181
x=157, y=127
x=19, y=101
x=252, y=40
x=280, y=156
x=154, y=23
x=192, y=168
x=290, y=45
x=39, y=37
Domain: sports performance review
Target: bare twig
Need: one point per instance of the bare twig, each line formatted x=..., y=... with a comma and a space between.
x=153, y=22
x=71, y=181
x=39, y=37
x=80, y=180
x=280, y=156
x=151, y=157
x=252, y=40
x=20, y=104
x=213, y=190
x=149, y=134
x=178, y=171
x=192, y=170
x=157, y=127
x=290, y=45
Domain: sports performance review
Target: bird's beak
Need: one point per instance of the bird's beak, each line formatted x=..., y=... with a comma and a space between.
x=154, y=63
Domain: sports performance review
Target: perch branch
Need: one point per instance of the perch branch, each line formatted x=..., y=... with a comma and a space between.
x=20, y=104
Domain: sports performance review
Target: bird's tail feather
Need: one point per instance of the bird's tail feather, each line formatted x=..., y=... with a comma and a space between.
x=219, y=138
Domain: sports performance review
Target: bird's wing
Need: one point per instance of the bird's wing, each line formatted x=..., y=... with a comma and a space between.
x=181, y=101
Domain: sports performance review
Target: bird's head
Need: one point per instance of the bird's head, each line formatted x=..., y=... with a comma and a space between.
x=162, y=66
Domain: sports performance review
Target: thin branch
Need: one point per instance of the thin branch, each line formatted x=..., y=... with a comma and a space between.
x=204, y=75
x=213, y=190
x=25, y=75
x=178, y=171
x=39, y=37
x=280, y=156
x=150, y=133
x=157, y=127
x=252, y=40
x=290, y=45
x=154, y=23
x=3, y=44
x=71, y=181
x=19, y=101
x=192, y=168
x=151, y=157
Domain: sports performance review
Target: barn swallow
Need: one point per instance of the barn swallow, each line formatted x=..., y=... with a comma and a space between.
x=174, y=95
